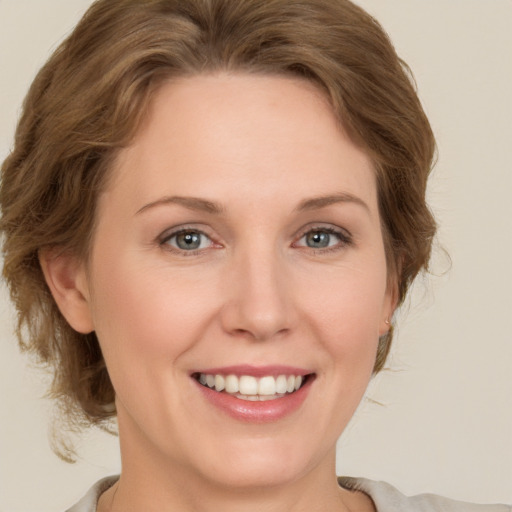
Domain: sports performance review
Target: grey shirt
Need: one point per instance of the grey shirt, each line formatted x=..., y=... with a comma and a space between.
x=385, y=497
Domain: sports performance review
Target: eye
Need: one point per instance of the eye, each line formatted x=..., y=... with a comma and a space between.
x=319, y=239
x=324, y=238
x=187, y=240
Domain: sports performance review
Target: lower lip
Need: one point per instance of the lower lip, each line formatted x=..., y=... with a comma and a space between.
x=257, y=412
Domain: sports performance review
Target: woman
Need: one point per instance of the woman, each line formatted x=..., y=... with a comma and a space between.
x=227, y=207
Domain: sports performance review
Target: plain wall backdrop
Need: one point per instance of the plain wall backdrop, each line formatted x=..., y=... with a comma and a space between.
x=444, y=423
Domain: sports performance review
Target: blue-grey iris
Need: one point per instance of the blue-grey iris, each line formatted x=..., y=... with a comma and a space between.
x=318, y=239
x=188, y=241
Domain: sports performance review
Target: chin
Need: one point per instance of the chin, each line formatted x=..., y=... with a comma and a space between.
x=257, y=463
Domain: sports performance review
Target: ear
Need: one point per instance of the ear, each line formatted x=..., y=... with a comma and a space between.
x=66, y=277
x=389, y=305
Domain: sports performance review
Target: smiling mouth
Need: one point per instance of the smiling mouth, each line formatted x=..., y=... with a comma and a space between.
x=248, y=387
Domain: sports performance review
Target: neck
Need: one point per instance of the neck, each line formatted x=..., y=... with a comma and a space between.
x=168, y=496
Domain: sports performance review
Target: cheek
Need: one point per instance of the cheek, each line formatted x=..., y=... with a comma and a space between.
x=346, y=308
x=147, y=314
x=146, y=326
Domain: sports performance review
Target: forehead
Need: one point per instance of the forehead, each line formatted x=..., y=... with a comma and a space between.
x=255, y=134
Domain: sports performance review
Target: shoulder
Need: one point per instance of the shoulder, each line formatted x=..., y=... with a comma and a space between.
x=389, y=499
x=89, y=501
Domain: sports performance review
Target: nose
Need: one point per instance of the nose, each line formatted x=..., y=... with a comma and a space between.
x=260, y=299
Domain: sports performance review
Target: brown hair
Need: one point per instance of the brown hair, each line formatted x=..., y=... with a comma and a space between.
x=88, y=101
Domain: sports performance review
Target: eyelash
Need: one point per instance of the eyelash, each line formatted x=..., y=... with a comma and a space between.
x=344, y=237
x=165, y=239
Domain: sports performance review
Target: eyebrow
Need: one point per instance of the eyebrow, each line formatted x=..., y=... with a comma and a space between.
x=204, y=205
x=315, y=203
x=192, y=203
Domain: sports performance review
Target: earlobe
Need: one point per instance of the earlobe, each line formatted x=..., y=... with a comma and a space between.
x=385, y=326
x=66, y=278
x=390, y=305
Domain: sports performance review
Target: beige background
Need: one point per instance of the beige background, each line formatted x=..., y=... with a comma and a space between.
x=445, y=425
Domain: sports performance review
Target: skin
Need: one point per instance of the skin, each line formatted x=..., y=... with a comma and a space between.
x=255, y=292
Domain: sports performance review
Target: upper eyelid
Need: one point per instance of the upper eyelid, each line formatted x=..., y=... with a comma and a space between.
x=169, y=233
x=326, y=227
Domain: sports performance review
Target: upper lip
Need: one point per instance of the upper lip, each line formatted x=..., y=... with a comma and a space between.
x=255, y=371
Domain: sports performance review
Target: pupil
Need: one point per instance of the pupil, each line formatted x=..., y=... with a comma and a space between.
x=188, y=241
x=318, y=239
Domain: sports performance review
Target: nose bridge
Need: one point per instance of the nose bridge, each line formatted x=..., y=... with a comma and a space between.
x=259, y=305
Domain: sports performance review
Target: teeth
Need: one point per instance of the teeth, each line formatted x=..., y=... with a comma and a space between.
x=231, y=384
x=267, y=386
x=258, y=398
x=281, y=384
x=290, y=384
x=247, y=387
x=220, y=383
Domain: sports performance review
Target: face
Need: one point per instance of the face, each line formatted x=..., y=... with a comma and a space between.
x=238, y=243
